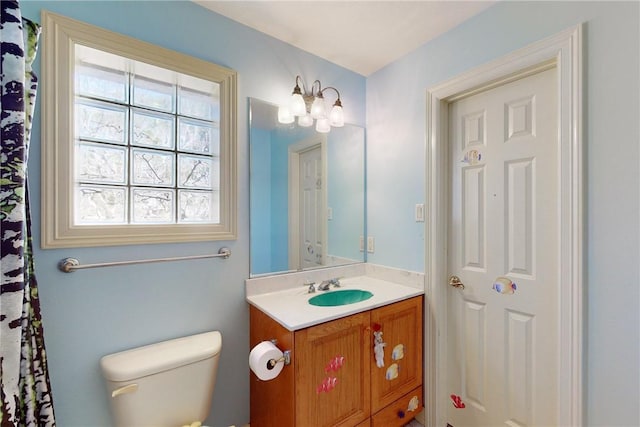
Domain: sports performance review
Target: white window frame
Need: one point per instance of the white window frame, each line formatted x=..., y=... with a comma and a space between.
x=60, y=35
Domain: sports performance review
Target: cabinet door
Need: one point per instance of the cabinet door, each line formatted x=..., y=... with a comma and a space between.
x=401, y=327
x=332, y=373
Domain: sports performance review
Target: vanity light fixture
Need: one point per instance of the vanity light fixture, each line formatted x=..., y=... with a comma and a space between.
x=309, y=105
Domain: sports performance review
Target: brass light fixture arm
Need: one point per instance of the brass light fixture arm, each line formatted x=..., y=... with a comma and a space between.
x=338, y=102
x=307, y=96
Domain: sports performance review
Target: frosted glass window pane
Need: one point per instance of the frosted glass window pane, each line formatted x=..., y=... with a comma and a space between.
x=198, y=137
x=152, y=206
x=111, y=135
x=101, y=164
x=100, y=83
x=152, y=167
x=101, y=122
x=198, y=104
x=198, y=172
x=198, y=206
x=153, y=130
x=100, y=205
x=153, y=94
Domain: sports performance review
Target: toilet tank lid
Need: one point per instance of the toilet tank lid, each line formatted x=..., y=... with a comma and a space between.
x=154, y=358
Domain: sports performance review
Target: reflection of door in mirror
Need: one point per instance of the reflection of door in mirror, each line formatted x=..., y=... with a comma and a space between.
x=307, y=203
x=334, y=223
x=311, y=190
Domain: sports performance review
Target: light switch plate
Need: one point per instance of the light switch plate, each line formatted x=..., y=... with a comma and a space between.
x=371, y=244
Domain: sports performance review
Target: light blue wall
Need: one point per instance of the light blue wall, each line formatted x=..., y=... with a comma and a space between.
x=396, y=151
x=90, y=313
x=260, y=202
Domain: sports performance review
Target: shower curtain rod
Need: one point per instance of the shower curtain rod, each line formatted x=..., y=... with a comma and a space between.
x=69, y=265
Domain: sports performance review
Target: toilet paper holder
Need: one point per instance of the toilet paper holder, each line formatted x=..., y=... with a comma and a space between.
x=286, y=357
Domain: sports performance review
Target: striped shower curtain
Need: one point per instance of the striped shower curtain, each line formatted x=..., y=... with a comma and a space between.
x=25, y=391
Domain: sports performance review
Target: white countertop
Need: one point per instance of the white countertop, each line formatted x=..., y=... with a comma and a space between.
x=290, y=307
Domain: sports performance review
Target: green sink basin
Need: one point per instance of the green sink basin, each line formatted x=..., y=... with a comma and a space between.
x=344, y=297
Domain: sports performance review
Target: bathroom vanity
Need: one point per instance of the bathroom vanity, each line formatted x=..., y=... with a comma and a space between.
x=338, y=376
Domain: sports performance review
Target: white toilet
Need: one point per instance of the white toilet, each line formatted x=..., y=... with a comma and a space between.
x=165, y=384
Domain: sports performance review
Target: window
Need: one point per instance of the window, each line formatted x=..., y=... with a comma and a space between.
x=139, y=142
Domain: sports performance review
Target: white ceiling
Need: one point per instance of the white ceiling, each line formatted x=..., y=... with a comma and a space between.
x=360, y=35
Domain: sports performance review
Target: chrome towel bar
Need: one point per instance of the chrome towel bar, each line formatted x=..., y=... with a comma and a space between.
x=69, y=265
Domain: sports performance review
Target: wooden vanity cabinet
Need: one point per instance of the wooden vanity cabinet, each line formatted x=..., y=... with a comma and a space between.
x=333, y=379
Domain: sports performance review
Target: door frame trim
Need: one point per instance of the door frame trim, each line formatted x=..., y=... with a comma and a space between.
x=564, y=52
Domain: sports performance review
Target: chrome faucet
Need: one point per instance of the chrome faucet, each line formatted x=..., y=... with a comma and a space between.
x=311, y=286
x=324, y=286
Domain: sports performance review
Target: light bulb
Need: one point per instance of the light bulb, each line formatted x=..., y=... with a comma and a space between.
x=298, y=107
x=317, y=108
x=305, y=121
x=322, y=125
x=284, y=115
x=336, y=117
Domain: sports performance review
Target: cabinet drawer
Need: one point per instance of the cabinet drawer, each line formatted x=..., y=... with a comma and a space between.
x=399, y=412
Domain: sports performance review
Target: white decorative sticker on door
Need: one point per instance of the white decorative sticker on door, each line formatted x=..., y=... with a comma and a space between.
x=504, y=285
x=472, y=157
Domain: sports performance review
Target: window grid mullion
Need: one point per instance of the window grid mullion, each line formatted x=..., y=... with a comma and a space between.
x=130, y=106
x=176, y=207
x=130, y=150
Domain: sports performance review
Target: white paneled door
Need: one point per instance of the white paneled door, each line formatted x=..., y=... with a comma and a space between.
x=502, y=352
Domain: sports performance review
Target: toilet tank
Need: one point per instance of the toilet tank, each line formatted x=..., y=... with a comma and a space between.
x=164, y=384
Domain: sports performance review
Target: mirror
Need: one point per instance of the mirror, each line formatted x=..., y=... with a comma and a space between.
x=307, y=193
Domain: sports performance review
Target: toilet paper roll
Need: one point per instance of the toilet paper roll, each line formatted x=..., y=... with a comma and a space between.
x=262, y=358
